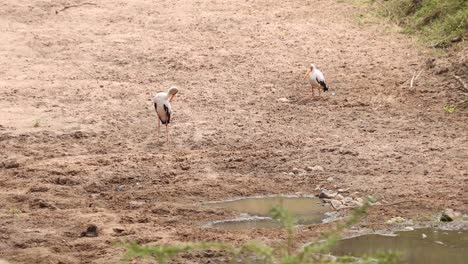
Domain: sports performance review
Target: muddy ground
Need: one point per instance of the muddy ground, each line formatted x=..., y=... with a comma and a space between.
x=78, y=132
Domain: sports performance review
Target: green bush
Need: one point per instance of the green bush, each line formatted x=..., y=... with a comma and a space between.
x=440, y=22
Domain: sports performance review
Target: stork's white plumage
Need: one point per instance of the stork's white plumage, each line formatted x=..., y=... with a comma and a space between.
x=162, y=105
x=316, y=79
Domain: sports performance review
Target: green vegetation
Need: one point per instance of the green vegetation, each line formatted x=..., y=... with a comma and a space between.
x=439, y=22
x=258, y=252
x=450, y=108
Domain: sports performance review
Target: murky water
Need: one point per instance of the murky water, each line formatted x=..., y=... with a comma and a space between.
x=245, y=223
x=417, y=247
x=307, y=210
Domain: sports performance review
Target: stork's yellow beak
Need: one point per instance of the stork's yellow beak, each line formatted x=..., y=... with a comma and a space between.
x=307, y=74
x=172, y=98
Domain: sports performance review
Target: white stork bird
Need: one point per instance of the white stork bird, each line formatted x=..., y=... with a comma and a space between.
x=316, y=79
x=162, y=106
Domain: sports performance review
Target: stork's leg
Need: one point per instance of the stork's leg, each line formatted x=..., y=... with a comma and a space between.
x=167, y=133
x=159, y=130
x=312, y=88
x=320, y=91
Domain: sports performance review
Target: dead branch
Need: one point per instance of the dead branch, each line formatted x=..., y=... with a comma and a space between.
x=415, y=77
x=465, y=89
x=71, y=6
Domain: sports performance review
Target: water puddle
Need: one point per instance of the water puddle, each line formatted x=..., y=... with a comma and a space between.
x=307, y=210
x=417, y=247
x=245, y=223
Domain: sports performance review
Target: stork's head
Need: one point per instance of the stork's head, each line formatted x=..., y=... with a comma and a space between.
x=172, y=92
x=311, y=69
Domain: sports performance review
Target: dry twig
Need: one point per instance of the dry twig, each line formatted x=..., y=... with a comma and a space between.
x=415, y=77
x=71, y=6
x=465, y=89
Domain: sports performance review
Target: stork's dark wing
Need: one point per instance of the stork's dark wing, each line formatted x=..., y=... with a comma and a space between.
x=168, y=113
x=323, y=84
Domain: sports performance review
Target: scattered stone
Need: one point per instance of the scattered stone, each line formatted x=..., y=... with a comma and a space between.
x=295, y=170
x=339, y=197
x=348, y=200
x=9, y=164
x=357, y=203
x=396, y=220
x=409, y=228
x=336, y=204
x=120, y=188
x=330, y=179
x=65, y=181
x=441, y=70
x=360, y=200
x=283, y=100
x=184, y=167
x=445, y=218
x=327, y=194
x=452, y=213
x=136, y=204
x=39, y=189
x=424, y=236
x=91, y=231
x=39, y=203
x=315, y=168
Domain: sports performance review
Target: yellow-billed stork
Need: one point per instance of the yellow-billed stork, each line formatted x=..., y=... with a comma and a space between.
x=316, y=79
x=162, y=105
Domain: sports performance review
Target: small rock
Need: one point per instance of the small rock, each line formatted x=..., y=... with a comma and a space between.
x=39, y=189
x=327, y=194
x=136, y=204
x=424, y=235
x=330, y=179
x=452, y=213
x=409, y=228
x=336, y=204
x=357, y=203
x=39, y=203
x=339, y=197
x=283, y=100
x=348, y=200
x=315, y=168
x=9, y=164
x=91, y=231
x=396, y=220
x=445, y=218
x=360, y=200
x=441, y=70
x=120, y=188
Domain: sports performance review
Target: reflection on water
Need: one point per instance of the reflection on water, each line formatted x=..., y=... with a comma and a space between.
x=307, y=210
x=417, y=247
